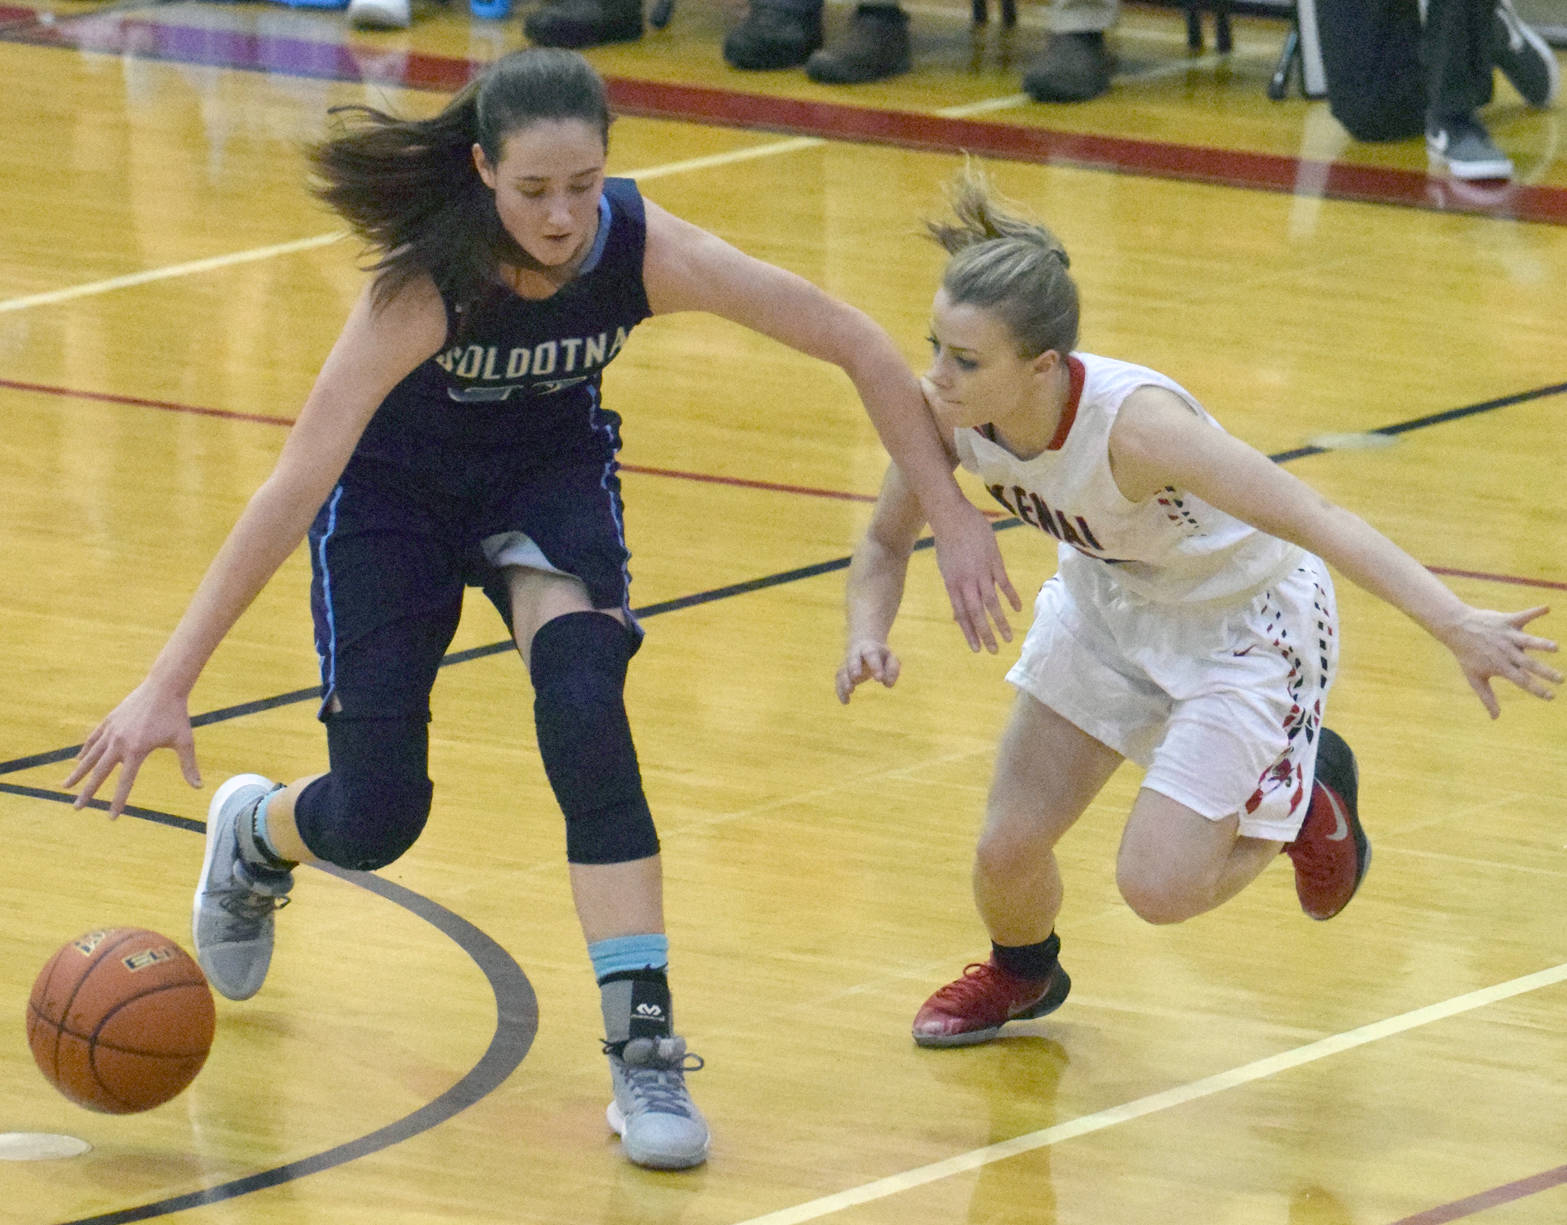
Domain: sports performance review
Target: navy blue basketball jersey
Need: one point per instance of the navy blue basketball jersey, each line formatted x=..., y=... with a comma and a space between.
x=518, y=379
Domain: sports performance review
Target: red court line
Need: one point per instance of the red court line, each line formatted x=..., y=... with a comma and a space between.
x=1270, y=172
x=1506, y=1194
x=170, y=406
x=138, y=402
x=1498, y=578
x=771, y=486
x=738, y=482
x=1154, y=159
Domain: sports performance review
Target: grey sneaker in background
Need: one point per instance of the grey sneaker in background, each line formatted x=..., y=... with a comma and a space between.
x=653, y=1114
x=1466, y=148
x=1524, y=57
x=772, y=36
x=231, y=920
x=1073, y=67
x=874, y=47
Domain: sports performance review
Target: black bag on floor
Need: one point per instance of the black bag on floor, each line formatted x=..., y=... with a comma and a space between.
x=1370, y=52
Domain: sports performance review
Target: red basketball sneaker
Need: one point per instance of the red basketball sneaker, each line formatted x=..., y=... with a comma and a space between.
x=1330, y=853
x=975, y=1007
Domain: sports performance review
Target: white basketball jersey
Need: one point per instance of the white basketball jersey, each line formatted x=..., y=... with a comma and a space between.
x=1169, y=549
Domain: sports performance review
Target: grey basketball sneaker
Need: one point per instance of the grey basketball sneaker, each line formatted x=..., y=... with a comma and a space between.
x=653, y=1114
x=231, y=920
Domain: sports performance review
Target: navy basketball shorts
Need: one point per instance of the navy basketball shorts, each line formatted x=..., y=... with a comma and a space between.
x=390, y=562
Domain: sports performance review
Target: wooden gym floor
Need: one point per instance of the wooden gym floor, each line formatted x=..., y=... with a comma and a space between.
x=425, y=1050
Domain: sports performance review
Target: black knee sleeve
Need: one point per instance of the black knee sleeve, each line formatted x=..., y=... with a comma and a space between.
x=578, y=665
x=374, y=803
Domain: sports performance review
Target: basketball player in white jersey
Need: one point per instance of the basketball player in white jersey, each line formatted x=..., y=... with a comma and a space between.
x=1190, y=625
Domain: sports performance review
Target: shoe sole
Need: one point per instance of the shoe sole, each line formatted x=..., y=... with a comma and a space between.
x=1476, y=172
x=836, y=74
x=220, y=799
x=581, y=40
x=1048, y=1003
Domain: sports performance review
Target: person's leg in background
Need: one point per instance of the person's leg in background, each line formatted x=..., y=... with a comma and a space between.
x=1455, y=49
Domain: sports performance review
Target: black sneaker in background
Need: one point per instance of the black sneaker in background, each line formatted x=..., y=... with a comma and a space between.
x=584, y=23
x=1524, y=57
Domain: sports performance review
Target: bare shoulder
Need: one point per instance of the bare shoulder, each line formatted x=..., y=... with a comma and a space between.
x=1153, y=405
x=384, y=338
x=410, y=321
x=685, y=267
x=1152, y=430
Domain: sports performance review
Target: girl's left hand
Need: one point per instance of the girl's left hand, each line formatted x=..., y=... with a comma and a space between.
x=1489, y=644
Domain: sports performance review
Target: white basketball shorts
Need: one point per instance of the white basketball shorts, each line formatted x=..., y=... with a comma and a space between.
x=1220, y=704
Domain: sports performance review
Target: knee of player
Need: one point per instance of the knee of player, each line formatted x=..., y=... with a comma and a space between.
x=372, y=821
x=1011, y=844
x=617, y=832
x=1153, y=897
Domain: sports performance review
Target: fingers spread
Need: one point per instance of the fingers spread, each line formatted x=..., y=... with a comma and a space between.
x=1483, y=691
x=122, y=793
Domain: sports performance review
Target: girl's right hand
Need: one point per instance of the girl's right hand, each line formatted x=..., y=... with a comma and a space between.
x=148, y=719
x=865, y=661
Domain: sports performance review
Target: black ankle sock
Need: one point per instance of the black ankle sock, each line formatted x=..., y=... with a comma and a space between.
x=1027, y=960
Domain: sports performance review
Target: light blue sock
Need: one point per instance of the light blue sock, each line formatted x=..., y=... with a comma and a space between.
x=257, y=850
x=620, y=954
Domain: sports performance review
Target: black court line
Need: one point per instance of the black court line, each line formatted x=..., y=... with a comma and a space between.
x=787, y=576
x=517, y=1022
x=516, y=1004
x=493, y=648
x=1441, y=418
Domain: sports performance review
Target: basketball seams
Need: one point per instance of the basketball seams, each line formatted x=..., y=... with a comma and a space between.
x=95, y=1038
x=98, y=956
x=98, y=1070
x=98, y=1041
x=95, y=959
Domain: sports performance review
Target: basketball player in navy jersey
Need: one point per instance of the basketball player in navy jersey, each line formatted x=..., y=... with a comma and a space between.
x=1190, y=625
x=455, y=436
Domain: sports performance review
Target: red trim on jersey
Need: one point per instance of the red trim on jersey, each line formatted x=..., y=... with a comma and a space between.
x=1077, y=376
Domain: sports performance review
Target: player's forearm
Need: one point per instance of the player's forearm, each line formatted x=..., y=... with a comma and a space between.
x=1373, y=562
x=875, y=590
x=909, y=435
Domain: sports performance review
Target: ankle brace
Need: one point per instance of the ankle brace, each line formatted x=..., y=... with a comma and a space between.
x=636, y=1004
x=1028, y=960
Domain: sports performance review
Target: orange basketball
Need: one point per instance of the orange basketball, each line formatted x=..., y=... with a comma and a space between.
x=120, y=1020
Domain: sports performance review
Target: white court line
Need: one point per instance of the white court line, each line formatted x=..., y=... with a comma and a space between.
x=963, y=1163
x=796, y=144
x=168, y=273
x=791, y=145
